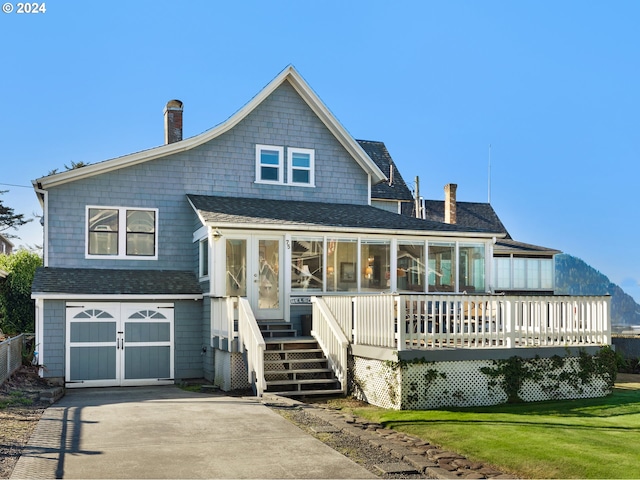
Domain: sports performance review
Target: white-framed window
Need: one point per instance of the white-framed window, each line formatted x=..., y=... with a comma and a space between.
x=300, y=162
x=269, y=164
x=203, y=247
x=121, y=232
x=300, y=165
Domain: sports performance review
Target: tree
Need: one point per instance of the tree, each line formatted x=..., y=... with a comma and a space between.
x=9, y=219
x=17, y=309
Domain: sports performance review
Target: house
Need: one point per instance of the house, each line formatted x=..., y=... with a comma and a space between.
x=6, y=246
x=213, y=256
x=518, y=267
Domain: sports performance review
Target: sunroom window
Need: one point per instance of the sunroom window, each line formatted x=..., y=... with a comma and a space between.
x=375, y=258
x=442, y=267
x=342, y=255
x=411, y=271
x=471, y=268
x=306, y=264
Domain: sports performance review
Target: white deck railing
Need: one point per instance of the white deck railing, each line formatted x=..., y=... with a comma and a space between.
x=222, y=319
x=250, y=340
x=331, y=339
x=407, y=322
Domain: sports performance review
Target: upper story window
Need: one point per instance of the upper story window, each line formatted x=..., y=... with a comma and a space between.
x=300, y=162
x=270, y=165
x=119, y=232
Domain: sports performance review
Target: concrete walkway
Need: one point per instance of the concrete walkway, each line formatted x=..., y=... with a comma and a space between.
x=165, y=432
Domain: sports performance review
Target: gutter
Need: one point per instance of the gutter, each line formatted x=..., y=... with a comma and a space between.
x=43, y=195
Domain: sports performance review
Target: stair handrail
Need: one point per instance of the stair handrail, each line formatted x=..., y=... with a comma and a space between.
x=251, y=341
x=330, y=337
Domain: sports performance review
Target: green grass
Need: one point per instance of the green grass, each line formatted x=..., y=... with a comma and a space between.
x=592, y=438
x=14, y=399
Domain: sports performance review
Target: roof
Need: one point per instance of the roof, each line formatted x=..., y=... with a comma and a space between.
x=507, y=246
x=6, y=240
x=483, y=216
x=96, y=281
x=469, y=214
x=234, y=212
x=393, y=189
x=289, y=74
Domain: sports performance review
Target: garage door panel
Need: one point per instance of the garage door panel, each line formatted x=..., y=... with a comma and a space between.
x=147, y=332
x=91, y=332
x=92, y=363
x=147, y=362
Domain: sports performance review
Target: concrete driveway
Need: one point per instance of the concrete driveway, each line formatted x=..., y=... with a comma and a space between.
x=165, y=432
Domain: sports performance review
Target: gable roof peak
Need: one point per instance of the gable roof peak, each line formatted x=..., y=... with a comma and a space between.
x=289, y=74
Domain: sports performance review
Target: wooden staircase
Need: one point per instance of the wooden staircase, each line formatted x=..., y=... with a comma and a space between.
x=295, y=366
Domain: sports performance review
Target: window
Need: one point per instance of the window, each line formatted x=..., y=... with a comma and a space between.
x=375, y=258
x=204, y=257
x=502, y=267
x=471, y=268
x=120, y=232
x=236, y=263
x=300, y=161
x=411, y=267
x=342, y=255
x=269, y=164
x=442, y=268
x=306, y=264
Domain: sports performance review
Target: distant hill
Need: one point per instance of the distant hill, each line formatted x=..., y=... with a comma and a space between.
x=575, y=277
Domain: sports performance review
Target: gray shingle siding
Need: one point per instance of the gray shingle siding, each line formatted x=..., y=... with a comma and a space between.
x=188, y=340
x=54, y=333
x=224, y=166
x=208, y=356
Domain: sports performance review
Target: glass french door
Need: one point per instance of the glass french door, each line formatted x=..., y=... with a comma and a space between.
x=254, y=270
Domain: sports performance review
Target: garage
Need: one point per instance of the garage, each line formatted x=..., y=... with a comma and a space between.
x=119, y=344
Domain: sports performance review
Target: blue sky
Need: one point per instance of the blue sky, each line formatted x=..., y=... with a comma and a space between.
x=551, y=86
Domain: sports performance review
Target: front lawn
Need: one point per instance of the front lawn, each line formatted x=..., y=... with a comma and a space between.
x=593, y=438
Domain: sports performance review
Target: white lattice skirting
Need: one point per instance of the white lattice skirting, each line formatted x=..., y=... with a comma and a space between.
x=230, y=371
x=428, y=385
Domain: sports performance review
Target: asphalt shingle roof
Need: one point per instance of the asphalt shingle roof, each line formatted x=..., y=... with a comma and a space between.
x=95, y=281
x=260, y=212
x=398, y=190
x=483, y=216
x=469, y=214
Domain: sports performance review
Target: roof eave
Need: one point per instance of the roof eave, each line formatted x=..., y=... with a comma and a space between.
x=353, y=230
x=95, y=296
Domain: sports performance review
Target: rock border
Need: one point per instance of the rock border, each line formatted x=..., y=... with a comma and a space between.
x=426, y=458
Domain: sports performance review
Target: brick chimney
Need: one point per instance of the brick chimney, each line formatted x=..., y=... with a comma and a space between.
x=173, y=122
x=450, y=203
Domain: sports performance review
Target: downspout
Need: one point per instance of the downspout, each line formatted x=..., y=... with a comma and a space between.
x=45, y=225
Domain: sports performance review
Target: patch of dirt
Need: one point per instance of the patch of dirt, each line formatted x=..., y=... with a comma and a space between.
x=20, y=411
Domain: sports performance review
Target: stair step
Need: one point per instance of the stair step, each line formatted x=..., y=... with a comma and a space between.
x=289, y=343
x=295, y=393
x=276, y=325
x=301, y=382
x=310, y=350
x=294, y=361
x=298, y=371
x=280, y=334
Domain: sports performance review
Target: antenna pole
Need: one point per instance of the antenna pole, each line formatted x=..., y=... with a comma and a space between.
x=489, y=181
x=418, y=215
